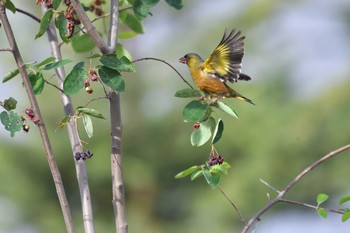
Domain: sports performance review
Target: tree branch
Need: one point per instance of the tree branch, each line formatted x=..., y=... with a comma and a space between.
x=41, y=125
x=73, y=135
x=167, y=63
x=279, y=197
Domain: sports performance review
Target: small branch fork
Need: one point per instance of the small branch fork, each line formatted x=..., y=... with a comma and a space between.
x=282, y=193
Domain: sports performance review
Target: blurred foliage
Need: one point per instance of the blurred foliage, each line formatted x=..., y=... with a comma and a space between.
x=273, y=140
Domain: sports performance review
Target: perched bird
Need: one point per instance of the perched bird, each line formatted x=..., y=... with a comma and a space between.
x=223, y=65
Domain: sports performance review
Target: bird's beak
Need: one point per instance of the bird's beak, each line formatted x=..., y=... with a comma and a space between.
x=183, y=60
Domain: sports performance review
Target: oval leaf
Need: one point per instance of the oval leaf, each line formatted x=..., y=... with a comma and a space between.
x=82, y=44
x=45, y=22
x=61, y=25
x=212, y=180
x=345, y=216
x=74, y=82
x=201, y=135
x=321, y=197
x=111, y=78
x=218, y=131
x=187, y=172
x=90, y=112
x=195, y=111
x=197, y=174
x=322, y=213
x=41, y=64
x=186, y=93
x=344, y=199
x=223, y=107
x=57, y=64
x=88, y=125
x=37, y=81
x=10, y=75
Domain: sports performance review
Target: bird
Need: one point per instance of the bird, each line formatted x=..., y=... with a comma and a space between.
x=222, y=66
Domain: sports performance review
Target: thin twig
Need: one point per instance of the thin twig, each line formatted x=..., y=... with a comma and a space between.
x=310, y=206
x=270, y=186
x=41, y=125
x=271, y=203
x=28, y=14
x=167, y=63
x=6, y=50
x=53, y=85
x=233, y=204
x=98, y=98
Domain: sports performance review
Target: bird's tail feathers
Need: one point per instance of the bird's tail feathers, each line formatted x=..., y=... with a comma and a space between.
x=241, y=97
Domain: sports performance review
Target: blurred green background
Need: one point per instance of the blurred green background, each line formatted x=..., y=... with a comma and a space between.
x=298, y=55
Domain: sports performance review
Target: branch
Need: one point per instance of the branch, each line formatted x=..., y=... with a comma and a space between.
x=30, y=15
x=156, y=59
x=73, y=135
x=279, y=197
x=311, y=206
x=6, y=50
x=41, y=125
x=233, y=204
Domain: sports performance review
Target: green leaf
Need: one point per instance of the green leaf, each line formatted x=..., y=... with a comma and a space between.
x=195, y=111
x=111, y=78
x=10, y=104
x=93, y=56
x=223, y=107
x=187, y=92
x=90, y=112
x=322, y=213
x=61, y=25
x=203, y=133
x=56, y=4
x=88, y=125
x=74, y=82
x=187, y=172
x=9, y=5
x=44, y=23
x=344, y=199
x=212, y=180
x=82, y=44
x=41, y=64
x=177, y=4
x=10, y=75
x=37, y=81
x=12, y=121
x=57, y=64
x=219, y=128
x=220, y=169
x=142, y=7
x=345, y=216
x=127, y=35
x=197, y=174
x=122, y=64
x=121, y=51
x=133, y=23
x=321, y=198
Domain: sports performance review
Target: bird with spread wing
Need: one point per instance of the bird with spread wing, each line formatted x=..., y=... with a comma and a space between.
x=223, y=65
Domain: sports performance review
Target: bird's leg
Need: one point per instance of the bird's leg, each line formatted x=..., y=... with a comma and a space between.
x=214, y=100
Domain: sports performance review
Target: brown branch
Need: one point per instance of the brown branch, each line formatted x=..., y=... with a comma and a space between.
x=167, y=63
x=41, y=125
x=279, y=197
x=6, y=50
x=30, y=15
x=310, y=206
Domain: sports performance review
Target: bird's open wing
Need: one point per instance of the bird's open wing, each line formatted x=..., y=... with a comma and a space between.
x=226, y=60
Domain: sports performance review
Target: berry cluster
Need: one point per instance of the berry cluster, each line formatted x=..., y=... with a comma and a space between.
x=93, y=78
x=83, y=155
x=30, y=116
x=48, y=3
x=95, y=7
x=215, y=159
x=71, y=17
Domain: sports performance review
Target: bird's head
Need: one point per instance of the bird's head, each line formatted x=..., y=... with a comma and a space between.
x=192, y=60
